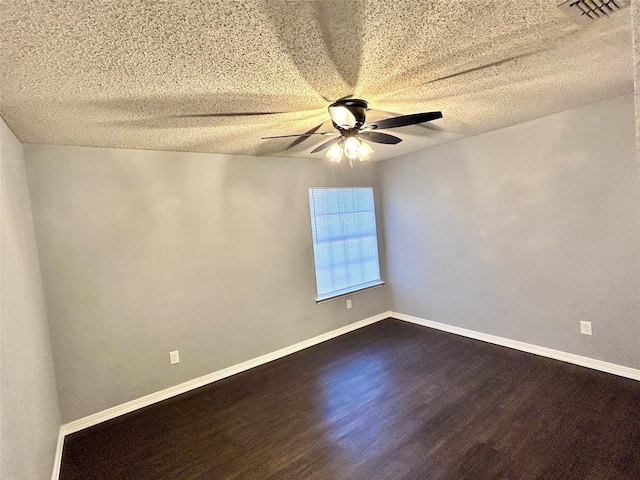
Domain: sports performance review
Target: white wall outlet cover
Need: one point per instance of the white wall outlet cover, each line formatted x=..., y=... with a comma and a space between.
x=174, y=357
x=349, y=304
x=585, y=328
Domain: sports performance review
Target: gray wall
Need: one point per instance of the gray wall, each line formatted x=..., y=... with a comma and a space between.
x=523, y=232
x=146, y=252
x=29, y=412
x=519, y=233
x=635, y=12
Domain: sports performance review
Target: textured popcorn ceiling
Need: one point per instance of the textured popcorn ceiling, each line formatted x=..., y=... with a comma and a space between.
x=121, y=73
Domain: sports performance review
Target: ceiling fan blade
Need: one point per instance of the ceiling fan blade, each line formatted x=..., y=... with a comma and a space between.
x=405, y=120
x=239, y=114
x=326, y=145
x=377, y=137
x=298, y=135
x=388, y=114
x=307, y=134
x=244, y=114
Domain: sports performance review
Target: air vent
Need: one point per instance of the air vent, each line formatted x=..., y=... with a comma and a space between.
x=586, y=12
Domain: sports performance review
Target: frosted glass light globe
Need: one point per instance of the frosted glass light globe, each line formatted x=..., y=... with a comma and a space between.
x=351, y=146
x=335, y=152
x=364, y=151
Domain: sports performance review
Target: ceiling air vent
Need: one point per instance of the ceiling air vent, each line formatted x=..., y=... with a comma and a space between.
x=586, y=12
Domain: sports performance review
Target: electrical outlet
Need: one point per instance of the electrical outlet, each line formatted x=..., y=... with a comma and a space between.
x=585, y=328
x=174, y=357
x=349, y=305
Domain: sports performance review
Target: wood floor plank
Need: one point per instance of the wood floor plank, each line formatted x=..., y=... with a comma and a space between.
x=388, y=401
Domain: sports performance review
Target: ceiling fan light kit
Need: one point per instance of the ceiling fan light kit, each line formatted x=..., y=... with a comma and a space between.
x=352, y=147
x=348, y=116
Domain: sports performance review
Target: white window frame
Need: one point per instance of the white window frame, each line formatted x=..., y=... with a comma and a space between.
x=334, y=241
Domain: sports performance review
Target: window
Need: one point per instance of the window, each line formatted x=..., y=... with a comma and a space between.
x=345, y=244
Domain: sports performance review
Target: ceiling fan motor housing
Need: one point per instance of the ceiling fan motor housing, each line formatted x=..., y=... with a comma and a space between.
x=348, y=114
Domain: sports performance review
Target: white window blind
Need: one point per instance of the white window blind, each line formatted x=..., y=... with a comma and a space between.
x=345, y=244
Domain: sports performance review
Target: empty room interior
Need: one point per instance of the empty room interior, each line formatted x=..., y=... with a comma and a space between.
x=283, y=239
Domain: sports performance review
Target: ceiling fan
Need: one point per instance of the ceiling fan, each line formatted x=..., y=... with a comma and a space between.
x=348, y=116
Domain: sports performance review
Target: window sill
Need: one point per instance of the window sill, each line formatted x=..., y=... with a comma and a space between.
x=350, y=291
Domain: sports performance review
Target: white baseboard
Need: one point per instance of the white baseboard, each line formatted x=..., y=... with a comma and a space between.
x=147, y=400
x=57, y=459
x=607, y=367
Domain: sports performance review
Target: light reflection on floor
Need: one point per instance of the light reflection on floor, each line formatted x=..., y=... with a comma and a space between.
x=357, y=404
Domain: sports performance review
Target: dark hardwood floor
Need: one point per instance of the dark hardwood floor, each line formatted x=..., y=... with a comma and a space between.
x=390, y=401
